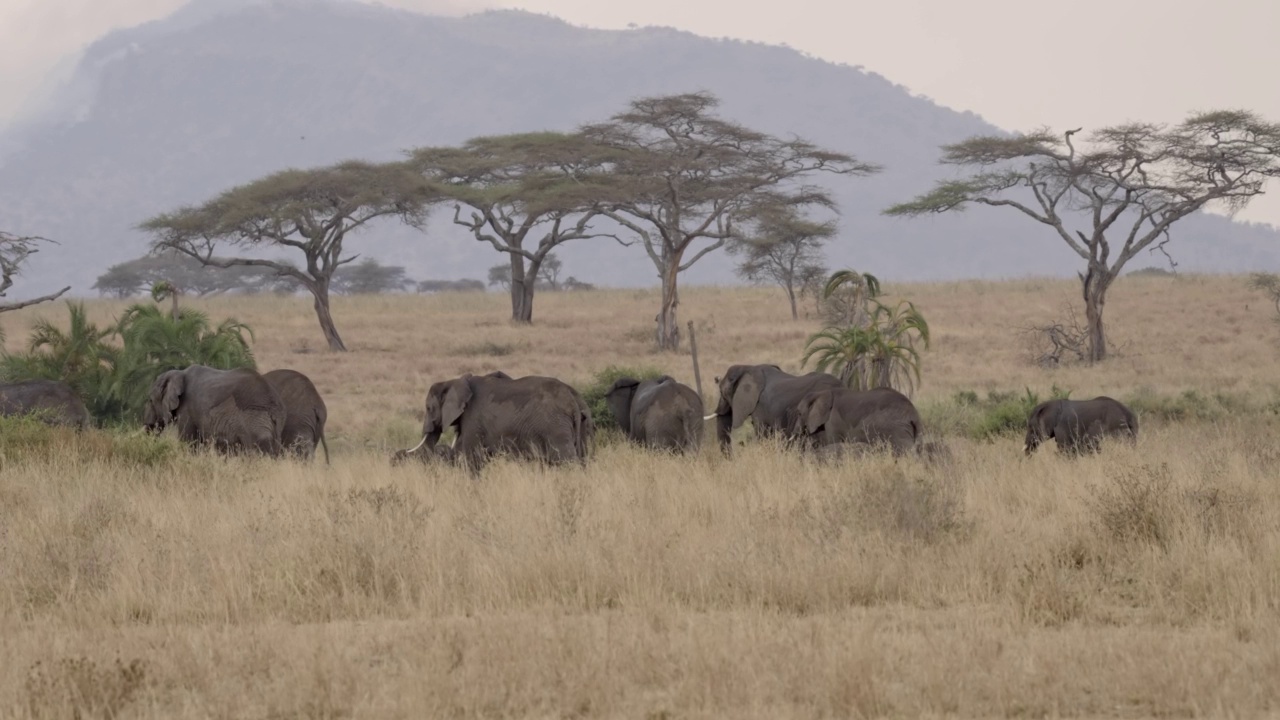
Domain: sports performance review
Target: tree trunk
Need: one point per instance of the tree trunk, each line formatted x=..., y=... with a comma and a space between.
x=320, y=293
x=523, y=281
x=791, y=297
x=1095, y=284
x=668, y=323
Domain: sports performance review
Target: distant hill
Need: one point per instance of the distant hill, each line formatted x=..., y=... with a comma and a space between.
x=219, y=93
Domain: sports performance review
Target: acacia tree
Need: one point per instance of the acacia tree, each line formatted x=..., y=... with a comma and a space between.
x=310, y=211
x=525, y=194
x=14, y=251
x=782, y=247
x=681, y=174
x=1116, y=195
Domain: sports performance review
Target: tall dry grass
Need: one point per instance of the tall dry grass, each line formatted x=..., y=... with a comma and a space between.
x=1145, y=581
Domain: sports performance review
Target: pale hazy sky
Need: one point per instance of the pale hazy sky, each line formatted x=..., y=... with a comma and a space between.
x=1018, y=63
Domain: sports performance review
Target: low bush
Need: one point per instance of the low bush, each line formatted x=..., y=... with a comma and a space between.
x=999, y=413
x=27, y=439
x=594, y=392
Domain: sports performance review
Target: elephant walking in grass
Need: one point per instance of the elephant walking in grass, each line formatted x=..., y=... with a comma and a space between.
x=305, y=413
x=538, y=418
x=235, y=411
x=765, y=394
x=1078, y=426
x=662, y=414
x=868, y=418
x=53, y=402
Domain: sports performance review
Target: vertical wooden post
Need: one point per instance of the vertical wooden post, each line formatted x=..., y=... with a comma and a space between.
x=697, y=374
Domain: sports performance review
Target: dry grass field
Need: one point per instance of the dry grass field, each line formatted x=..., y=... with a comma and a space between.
x=1141, y=582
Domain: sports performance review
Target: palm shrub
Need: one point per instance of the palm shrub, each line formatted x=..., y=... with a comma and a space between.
x=114, y=379
x=154, y=342
x=80, y=357
x=878, y=345
x=846, y=299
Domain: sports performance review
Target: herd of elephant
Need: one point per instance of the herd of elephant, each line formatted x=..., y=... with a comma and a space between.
x=281, y=413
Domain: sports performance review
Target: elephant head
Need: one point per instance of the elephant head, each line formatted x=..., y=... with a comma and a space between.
x=424, y=454
x=740, y=390
x=446, y=401
x=162, y=403
x=619, y=398
x=1040, y=424
x=812, y=413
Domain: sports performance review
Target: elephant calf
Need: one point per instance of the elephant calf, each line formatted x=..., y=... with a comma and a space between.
x=51, y=401
x=661, y=414
x=1079, y=425
x=532, y=417
x=305, y=413
x=871, y=417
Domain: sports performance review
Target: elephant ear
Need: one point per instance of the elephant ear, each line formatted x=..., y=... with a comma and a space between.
x=456, y=397
x=815, y=410
x=1047, y=418
x=166, y=395
x=746, y=394
x=622, y=383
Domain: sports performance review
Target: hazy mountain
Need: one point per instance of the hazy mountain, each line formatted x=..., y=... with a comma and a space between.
x=219, y=93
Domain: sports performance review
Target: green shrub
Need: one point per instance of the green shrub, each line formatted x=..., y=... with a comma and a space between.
x=27, y=439
x=981, y=418
x=594, y=392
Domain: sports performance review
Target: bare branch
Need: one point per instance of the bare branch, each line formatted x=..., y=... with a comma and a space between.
x=6, y=307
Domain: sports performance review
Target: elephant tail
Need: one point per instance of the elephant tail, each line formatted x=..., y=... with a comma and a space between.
x=320, y=431
x=325, y=445
x=583, y=431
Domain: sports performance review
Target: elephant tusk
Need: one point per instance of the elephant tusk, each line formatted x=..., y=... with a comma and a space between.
x=455, y=442
x=419, y=446
x=708, y=417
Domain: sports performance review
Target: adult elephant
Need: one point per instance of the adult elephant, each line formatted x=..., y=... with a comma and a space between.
x=51, y=401
x=661, y=414
x=531, y=417
x=1079, y=425
x=839, y=416
x=232, y=410
x=765, y=394
x=305, y=413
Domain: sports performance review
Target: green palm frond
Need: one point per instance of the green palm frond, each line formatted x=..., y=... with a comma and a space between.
x=881, y=353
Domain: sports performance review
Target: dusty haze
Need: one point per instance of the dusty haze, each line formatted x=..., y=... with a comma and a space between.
x=987, y=56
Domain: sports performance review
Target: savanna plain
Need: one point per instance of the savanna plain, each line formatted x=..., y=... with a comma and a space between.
x=1144, y=581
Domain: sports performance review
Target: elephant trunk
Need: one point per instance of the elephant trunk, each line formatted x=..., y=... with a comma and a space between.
x=724, y=425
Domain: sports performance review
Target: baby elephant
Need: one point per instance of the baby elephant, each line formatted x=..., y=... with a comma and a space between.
x=662, y=414
x=881, y=416
x=1078, y=425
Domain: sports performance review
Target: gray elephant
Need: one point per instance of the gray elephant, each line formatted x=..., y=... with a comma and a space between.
x=661, y=414
x=53, y=402
x=840, y=416
x=305, y=413
x=235, y=411
x=1079, y=425
x=765, y=394
x=531, y=417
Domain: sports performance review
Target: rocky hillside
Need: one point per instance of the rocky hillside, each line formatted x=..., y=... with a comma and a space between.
x=219, y=93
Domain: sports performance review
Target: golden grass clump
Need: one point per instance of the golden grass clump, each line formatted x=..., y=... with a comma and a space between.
x=143, y=583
